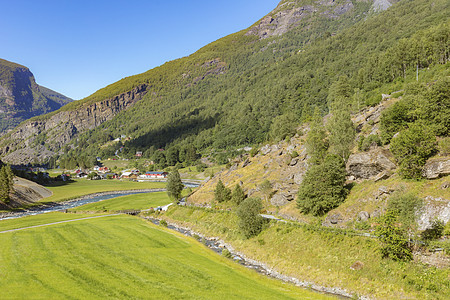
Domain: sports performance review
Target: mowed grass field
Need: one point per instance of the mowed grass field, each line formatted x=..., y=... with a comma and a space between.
x=81, y=187
x=137, y=201
x=124, y=257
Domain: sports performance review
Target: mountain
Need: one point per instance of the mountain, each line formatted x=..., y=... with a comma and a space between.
x=244, y=88
x=22, y=98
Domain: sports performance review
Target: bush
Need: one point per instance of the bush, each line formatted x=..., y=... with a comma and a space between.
x=394, y=239
x=435, y=232
x=250, y=222
x=226, y=253
x=253, y=152
x=366, y=142
x=406, y=206
x=412, y=148
x=163, y=223
x=238, y=195
x=322, y=188
x=444, y=146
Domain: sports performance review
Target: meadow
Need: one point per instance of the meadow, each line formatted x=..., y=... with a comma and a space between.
x=124, y=257
x=129, y=202
x=321, y=255
x=82, y=187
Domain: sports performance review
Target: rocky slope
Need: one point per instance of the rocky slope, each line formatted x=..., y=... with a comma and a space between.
x=22, y=98
x=373, y=174
x=191, y=95
x=25, y=193
x=41, y=139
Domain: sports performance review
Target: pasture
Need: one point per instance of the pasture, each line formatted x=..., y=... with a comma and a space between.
x=81, y=187
x=137, y=201
x=124, y=257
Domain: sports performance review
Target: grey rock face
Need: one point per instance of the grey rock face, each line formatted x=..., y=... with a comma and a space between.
x=438, y=167
x=63, y=126
x=370, y=164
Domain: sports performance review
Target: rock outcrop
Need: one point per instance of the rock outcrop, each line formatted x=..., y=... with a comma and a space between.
x=22, y=146
x=437, y=167
x=22, y=98
x=367, y=165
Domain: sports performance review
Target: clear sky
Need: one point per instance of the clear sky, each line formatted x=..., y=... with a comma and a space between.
x=76, y=47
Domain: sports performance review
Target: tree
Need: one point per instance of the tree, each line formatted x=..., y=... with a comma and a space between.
x=250, y=222
x=283, y=126
x=411, y=148
x=221, y=192
x=323, y=188
x=238, y=195
x=340, y=125
x=6, y=183
x=316, y=140
x=395, y=244
x=174, y=185
x=266, y=189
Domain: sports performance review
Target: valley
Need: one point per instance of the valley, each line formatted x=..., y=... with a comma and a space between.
x=312, y=147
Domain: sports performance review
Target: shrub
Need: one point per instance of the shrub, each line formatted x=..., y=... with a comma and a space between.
x=253, y=152
x=435, y=232
x=366, y=142
x=444, y=146
x=226, y=253
x=322, y=188
x=412, y=148
x=163, y=223
x=293, y=154
x=406, y=206
x=250, y=222
x=394, y=240
x=238, y=195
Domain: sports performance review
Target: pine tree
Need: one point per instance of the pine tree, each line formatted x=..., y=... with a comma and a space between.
x=238, y=195
x=221, y=192
x=250, y=222
x=174, y=185
x=6, y=183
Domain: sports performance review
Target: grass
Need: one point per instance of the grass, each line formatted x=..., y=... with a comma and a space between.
x=125, y=257
x=81, y=187
x=322, y=255
x=138, y=202
x=9, y=224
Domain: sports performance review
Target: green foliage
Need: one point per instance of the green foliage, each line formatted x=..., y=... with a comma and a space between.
x=444, y=146
x=222, y=193
x=92, y=175
x=405, y=205
x=322, y=188
x=249, y=221
x=435, y=232
x=226, y=253
x=237, y=196
x=6, y=183
x=316, y=140
x=411, y=148
x=163, y=223
x=254, y=151
x=394, y=239
x=365, y=143
x=283, y=126
x=174, y=185
x=266, y=189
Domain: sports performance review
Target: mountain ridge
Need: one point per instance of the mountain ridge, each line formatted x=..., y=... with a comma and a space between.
x=22, y=98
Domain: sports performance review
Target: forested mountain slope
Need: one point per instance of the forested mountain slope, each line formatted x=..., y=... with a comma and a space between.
x=240, y=89
x=21, y=98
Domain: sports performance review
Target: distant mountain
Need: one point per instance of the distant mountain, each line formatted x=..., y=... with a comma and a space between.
x=237, y=90
x=22, y=98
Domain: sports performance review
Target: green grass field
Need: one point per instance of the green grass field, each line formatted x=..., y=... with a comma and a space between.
x=138, y=201
x=124, y=257
x=81, y=187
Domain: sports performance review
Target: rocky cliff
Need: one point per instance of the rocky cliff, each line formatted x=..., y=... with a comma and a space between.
x=22, y=98
x=26, y=143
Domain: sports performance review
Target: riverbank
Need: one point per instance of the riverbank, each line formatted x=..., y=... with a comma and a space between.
x=218, y=245
x=323, y=256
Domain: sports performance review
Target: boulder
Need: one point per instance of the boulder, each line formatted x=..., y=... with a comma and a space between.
x=280, y=199
x=437, y=167
x=363, y=216
x=366, y=165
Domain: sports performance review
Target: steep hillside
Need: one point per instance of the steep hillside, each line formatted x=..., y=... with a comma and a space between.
x=236, y=90
x=21, y=98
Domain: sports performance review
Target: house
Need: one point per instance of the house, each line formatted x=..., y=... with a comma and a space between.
x=138, y=153
x=108, y=175
x=155, y=175
x=128, y=175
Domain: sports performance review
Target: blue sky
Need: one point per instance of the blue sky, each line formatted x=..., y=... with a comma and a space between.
x=77, y=47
